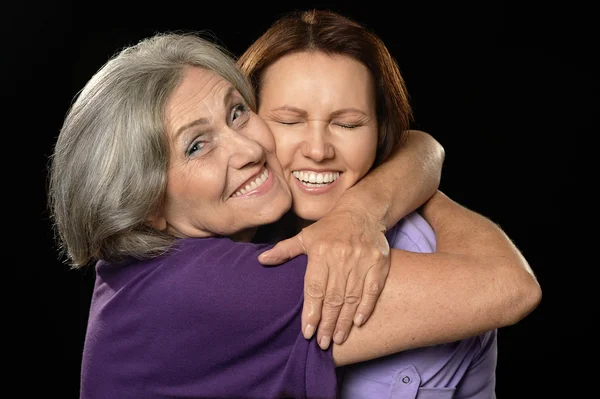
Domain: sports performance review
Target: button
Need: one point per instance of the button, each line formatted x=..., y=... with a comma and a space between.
x=406, y=379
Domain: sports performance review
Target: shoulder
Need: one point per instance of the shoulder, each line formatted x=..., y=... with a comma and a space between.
x=201, y=282
x=412, y=233
x=199, y=269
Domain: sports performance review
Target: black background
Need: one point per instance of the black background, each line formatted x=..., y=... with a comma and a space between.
x=508, y=90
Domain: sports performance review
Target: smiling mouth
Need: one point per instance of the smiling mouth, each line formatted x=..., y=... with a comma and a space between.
x=314, y=179
x=254, y=184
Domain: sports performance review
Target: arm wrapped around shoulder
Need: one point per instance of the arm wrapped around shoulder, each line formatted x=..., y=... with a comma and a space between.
x=476, y=281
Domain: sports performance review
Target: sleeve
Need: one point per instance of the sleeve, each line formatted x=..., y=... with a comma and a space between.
x=479, y=382
x=412, y=233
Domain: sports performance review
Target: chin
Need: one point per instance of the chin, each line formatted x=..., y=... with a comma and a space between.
x=310, y=214
x=276, y=210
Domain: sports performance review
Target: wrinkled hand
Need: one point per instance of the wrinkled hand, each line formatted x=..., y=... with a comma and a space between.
x=348, y=263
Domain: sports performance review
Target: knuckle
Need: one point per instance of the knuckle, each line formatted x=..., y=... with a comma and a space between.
x=315, y=291
x=376, y=254
x=334, y=300
x=344, y=321
x=373, y=288
x=321, y=248
x=352, y=298
x=341, y=251
x=328, y=322
x=312, y=318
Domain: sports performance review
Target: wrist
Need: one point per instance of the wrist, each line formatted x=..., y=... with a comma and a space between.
x=371, y=204
x=435, y=210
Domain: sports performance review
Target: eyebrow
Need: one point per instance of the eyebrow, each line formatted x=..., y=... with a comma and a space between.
x=205, y=121
x=347, y=110
x=292, y=109
x=303, y=113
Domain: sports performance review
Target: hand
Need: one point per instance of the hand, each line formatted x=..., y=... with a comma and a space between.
x=348, y=263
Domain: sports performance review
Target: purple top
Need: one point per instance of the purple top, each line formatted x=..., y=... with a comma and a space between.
x=458, y=370
x=207, y=320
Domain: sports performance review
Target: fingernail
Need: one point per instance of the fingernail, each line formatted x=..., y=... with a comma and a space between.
x=358, y=320
x=325, y=341
x=309, y=331
x=338, y=337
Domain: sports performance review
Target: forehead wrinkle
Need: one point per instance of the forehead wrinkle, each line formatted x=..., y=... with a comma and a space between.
x=198, y=97
x=204, y=98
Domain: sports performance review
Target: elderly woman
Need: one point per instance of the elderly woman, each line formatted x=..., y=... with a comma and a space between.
x=160, y=162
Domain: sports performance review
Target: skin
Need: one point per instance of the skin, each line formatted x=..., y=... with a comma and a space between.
x=219, y=147
x=322, y=125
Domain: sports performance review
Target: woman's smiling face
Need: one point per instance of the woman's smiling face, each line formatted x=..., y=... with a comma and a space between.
x=223, y=175
x=322, y=112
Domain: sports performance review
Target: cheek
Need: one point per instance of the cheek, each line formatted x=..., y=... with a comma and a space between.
x=284, y=145
x=259, y=131
x=176, y=183
x=199, y=181
x=360, y=152
x=263, y=134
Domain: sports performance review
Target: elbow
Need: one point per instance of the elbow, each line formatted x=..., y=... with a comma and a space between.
x=526, y=296
x=441, y=152
x=435, y=149
x=438, y=150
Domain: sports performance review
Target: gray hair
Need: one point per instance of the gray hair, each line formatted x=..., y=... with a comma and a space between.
x=109, y=166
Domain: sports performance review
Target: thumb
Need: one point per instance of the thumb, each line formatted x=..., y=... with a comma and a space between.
x=283, y=250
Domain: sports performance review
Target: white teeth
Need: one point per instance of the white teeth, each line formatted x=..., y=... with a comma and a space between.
x=312, y=179
x=253, y=184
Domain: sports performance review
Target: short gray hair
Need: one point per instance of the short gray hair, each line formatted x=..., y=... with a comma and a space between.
x=109, y=166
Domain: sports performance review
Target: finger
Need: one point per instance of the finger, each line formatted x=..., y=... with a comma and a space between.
x=352, y=297
x=332, y=305
x=283, y=251
x=374, y=280
x=315, y=285
x=372, y=288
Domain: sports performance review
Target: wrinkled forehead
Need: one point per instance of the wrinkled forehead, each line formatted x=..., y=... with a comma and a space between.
x=200, y=96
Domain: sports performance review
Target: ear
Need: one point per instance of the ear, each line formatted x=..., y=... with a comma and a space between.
x=157, y=221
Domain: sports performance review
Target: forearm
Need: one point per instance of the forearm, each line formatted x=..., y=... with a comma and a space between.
x=401, y=184
x=476, y=281
x=512, y=290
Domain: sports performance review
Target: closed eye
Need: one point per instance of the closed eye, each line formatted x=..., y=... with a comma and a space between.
x=347, y=126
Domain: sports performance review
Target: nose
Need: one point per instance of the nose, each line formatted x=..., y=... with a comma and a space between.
x=316, y=143
x=243, y=150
